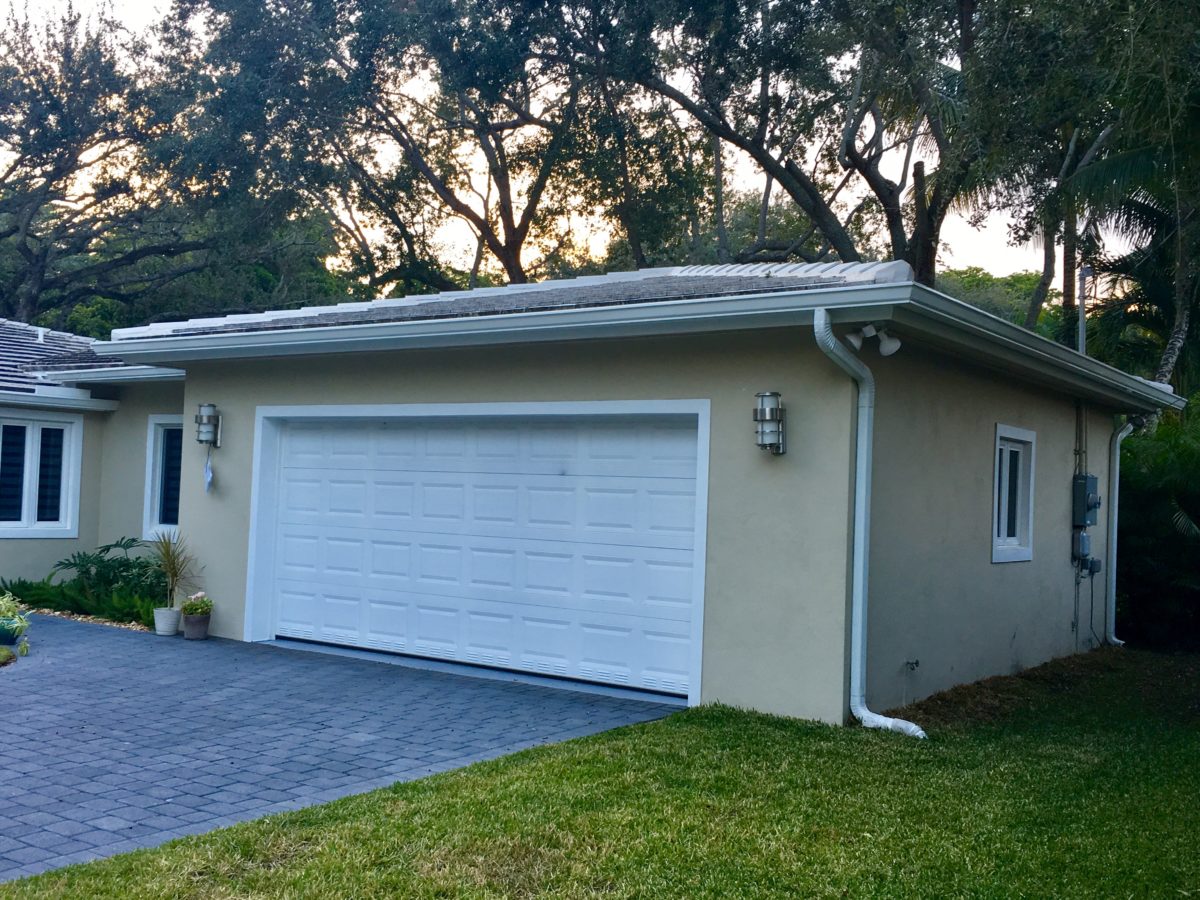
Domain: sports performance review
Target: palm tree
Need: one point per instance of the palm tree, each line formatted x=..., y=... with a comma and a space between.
x=1140, y=327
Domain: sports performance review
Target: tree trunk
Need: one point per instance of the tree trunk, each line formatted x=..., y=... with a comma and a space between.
x=1049, y=258
x=1184, y=297
x=511, y=260
x=923, y=247
x=724, y=254
x=1070, y=312
x=473, y=281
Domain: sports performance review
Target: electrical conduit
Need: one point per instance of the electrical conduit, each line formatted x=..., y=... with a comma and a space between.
x=1114, y=492
x=864, y=438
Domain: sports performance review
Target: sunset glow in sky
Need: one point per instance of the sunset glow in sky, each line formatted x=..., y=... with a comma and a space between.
x=963, y=245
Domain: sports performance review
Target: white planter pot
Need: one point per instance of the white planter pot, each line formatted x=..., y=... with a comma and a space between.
x=166, y=620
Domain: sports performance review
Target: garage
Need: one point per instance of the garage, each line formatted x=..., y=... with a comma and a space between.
x=558, y=545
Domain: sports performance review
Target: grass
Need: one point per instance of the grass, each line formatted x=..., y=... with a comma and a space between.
x=1081, y=778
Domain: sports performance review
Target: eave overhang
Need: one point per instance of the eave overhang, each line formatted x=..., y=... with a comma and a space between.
x=927, y=315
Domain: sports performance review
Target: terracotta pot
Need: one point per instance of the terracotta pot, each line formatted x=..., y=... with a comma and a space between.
x=195, y=628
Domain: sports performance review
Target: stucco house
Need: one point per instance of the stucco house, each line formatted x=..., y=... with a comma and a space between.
x=688, y=481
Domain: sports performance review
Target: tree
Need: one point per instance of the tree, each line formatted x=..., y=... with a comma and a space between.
x=855, y=109
x=1158, y=48
x=82, y=201
x=393, y=119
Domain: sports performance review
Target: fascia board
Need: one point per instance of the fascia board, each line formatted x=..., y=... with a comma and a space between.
x=1012, y=348
x=44, y=401
x=113, y=375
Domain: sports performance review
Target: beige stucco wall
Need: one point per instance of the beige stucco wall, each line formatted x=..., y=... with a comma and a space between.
x=936, y=596
x=33, y=558
x=123, y=483
x=112, y=482
x=776, y=571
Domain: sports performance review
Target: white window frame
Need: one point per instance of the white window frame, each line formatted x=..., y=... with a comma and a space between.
x=151, y=527
x=1019, y=548
x=68, y=525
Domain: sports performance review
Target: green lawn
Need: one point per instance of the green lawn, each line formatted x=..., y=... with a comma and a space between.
x=1080, y=778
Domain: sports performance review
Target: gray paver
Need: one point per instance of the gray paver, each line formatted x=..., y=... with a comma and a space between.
x=125, y=740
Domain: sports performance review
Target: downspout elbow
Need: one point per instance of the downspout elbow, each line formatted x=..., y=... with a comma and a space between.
x=857, y=370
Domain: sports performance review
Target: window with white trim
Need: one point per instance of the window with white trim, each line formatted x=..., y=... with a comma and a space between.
x=164, y=452
x=1012, y=495
x=39, y=475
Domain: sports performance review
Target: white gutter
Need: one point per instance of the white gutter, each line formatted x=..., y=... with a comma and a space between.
x=53, y=401
x=864, y=438
x=1114, y=497
x=744, y=311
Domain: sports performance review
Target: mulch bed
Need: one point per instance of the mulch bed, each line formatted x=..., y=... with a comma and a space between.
x=96, y=620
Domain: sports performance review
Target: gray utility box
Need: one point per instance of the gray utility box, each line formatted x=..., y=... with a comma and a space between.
x=1085, y=500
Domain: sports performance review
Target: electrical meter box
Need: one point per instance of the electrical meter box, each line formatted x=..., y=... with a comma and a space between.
x=1085, y=500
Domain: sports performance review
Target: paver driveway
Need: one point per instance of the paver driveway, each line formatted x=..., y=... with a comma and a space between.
x=112, y=739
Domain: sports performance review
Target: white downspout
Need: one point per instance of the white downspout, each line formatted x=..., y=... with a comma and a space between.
x=864, y=438
x=1114, y=496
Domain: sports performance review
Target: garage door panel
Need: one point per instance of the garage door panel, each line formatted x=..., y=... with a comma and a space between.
x=661, y=512
x=578, y=448
x=649, y=581
x=559, y=547
x=618, y=649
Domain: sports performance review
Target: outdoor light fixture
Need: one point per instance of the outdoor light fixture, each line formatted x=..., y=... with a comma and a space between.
x=208, y=425
x=856, y=338
x=887, y=344
x=768, y=422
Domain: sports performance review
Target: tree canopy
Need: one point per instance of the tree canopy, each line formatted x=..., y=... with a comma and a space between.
x=241, y=154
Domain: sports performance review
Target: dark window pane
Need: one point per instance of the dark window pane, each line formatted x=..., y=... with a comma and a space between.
x=168, y=479
x=50, y=467
x=1000, y=469
x=1014, y=485
x=12, y=472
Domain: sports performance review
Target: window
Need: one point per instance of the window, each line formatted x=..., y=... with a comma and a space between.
x=39, y=475
x=1012, y=495
x=164, y=451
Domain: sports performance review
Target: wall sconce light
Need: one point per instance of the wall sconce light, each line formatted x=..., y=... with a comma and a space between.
x=769, y=416
x=208, y=425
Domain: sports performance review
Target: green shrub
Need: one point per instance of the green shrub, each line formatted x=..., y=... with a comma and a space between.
x=1158, y=571
x=6, y=656
x=97, y=574
x=107, y=584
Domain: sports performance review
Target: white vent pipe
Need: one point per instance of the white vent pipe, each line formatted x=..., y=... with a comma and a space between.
x=864, y=438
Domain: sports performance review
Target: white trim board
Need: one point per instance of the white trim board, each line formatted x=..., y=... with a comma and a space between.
x=259, y=609
x=154, y=426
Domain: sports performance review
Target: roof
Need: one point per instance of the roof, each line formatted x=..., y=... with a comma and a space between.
x=644, y=286
x=688, y=299
x=24, y=347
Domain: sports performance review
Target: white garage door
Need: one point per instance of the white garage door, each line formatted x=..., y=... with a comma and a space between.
x=564, y=547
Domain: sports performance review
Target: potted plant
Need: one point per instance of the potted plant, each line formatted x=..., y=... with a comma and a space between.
x=13, y=622
x=177, y=564
x=197, y=610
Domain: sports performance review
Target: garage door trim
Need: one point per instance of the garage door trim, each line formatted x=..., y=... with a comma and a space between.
x=260, y=611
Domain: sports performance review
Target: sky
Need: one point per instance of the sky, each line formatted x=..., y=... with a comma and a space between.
x=962, y=244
